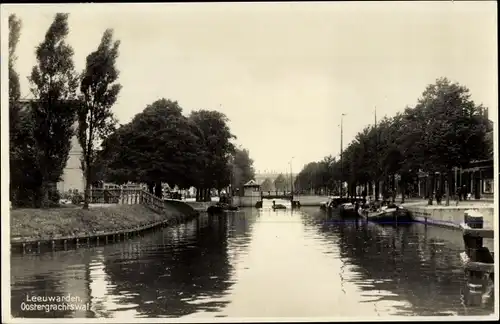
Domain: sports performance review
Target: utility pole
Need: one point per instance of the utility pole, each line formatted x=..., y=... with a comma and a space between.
x=341, y=153
x=377, y=183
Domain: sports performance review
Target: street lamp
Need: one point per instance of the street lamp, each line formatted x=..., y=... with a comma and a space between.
x=341, y=153
x=291, y=177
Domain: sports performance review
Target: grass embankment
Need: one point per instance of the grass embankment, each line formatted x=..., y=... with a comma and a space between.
x=45, y=224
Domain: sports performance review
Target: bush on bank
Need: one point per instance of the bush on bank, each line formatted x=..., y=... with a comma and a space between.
x=43, y=224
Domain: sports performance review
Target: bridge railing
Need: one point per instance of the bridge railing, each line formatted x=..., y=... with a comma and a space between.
x=116, y=196
x=130, y=196
x=275, y=193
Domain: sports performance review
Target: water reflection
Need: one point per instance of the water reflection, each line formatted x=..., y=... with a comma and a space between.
x=415, y=263
x=261, y=263
x=174, y=272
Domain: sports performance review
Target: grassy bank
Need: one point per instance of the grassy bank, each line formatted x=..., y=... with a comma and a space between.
x=44, y=224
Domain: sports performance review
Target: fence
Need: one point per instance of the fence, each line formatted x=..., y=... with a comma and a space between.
x=130, y=196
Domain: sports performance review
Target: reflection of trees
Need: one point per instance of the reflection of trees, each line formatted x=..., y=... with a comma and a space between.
x=423, y=270
x=176, y=270
x=42, y=275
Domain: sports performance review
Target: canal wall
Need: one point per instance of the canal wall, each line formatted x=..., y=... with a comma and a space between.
x=450, y=216
x=245, y=201
x=70, y=227
x=200, y=205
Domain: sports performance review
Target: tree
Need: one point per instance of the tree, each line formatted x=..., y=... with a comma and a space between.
x=53, y=85
x=242, y=168
x=280, y=183
x=99, y=93
x=215, y=152
x=455, y=129
x=157, y=146
x=15, y=153
x=266, y=185
x=14, y=34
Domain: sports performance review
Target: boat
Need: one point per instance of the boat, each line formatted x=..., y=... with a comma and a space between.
x=326, y=204
x=347, y=210
x=221, y=207
x=390, y=213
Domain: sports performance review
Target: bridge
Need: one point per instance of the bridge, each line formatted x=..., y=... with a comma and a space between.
x=276, y=195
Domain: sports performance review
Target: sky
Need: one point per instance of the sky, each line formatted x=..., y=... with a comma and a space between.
x=283, y=73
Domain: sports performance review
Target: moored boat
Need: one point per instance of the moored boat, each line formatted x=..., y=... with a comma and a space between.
x=390, y=214
x=326, y=204
x=347, y=210
x=221, y=207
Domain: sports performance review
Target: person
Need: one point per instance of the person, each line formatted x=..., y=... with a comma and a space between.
x=459, y=194
x=464, y=192
x=439, y=196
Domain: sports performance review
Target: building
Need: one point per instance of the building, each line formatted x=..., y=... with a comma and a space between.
x=251, y=189
x=73, y=177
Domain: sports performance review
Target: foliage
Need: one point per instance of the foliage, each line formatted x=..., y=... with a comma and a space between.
x=161, y=145
x=446, y=129
x=53, y=85
x=99, y=93
x=216, y=148
x=267, y=185
x=280, y=183
x=242, y=168
x=19, y=126
x=156, y=146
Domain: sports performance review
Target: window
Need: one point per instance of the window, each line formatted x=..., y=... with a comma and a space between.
x=488, y=186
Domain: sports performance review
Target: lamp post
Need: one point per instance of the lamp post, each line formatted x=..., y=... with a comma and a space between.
x=291, y=176
x=341, y=153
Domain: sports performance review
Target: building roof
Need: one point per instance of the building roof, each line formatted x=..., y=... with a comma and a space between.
x=251, y=183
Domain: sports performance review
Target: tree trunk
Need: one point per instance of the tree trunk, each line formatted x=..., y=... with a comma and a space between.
x=158, y=190
x=449, y=181
x=86, y=196
x=151, y=187
x=403, y=191
x=430, y=186
x=377, y=190
x=394, y=189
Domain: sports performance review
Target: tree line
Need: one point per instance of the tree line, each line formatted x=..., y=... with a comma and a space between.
x=161, y=145
x=158, y=145
x=443, y=131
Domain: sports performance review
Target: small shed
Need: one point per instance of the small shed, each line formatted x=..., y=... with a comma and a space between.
x=251, y=188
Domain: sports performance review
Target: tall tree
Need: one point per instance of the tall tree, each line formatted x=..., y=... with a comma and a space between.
x=455, y=129
x=14, y=34
x=216, y=150
x=280, y=182
x=99, y=93
x=53, y=85
x=267, y=185
x=242, y=166
x=158, y=146
x=17, y=131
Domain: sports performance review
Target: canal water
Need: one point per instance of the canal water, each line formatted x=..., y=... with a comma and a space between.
x=254, y=263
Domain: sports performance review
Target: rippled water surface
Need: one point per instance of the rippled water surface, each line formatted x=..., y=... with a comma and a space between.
x=256, y=264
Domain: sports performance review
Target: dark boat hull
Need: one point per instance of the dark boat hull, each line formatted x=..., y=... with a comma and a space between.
x=218, y=209
x=348, y=213
x=391, y=216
